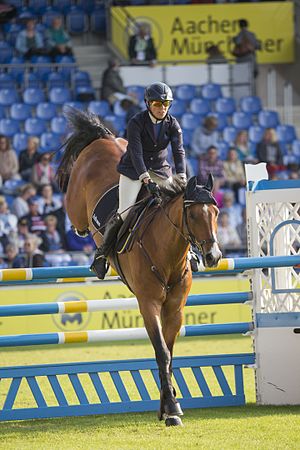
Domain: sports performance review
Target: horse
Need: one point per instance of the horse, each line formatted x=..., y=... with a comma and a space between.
x=156, y=268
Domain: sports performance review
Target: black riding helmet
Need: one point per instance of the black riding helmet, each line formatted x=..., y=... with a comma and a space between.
x=159, y=92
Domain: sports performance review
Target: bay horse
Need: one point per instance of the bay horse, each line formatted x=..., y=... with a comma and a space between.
x=156, y=268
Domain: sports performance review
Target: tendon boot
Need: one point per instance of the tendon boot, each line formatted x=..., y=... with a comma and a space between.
x=99, y=265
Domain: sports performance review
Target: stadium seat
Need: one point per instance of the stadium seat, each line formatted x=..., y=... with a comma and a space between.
x=200, y=106
x=222, y=120
x=99, y=107
x=65, y=59
x=229, y=135
x=34, y=126
x=19, y=142
x=286, y=134
x=85, y=93
x=40, y=68
x=98, y=20
x=50, y=142
x=49, y=15
x=268, y=119
x=8, y=96
x=223, y=148
x=59, y=95
x=87, y=5
x=55, y=79
x=33, y=96
x=30, y=79
x=20, y=111
x=190, y=121
x=77, y=21
x=250, y=104
x=296, y=148
x=117, y=123
x=45, y=111
x=118, y=110
x=16, y=68
x=37, y=6
x=256, y=133
x=6, y=52
x=11, y=32
x=9, y=127
x=137, y=91
x=6, y=80
x=211, y=91
x=63, y=6
x=59, y=125
x=241, y=120
x=76, y=105
x=225, y=105
x=81, y=78
x=2, y=112
x=187, y=135
x=185, y=92
x=178, y=108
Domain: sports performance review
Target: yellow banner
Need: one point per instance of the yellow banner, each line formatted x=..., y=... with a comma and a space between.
x=184, y=32
x=112, y=319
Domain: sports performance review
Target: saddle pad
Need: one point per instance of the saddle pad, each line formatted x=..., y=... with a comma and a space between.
x=105, y=208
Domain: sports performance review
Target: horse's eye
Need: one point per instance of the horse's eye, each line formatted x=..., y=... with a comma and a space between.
x=193, y=216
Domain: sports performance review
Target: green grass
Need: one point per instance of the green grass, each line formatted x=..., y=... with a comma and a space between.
x=253, y=427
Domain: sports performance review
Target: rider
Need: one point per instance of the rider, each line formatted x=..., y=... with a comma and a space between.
x=145, y=161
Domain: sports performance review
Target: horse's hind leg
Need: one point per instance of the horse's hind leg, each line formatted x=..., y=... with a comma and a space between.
x=171, y=408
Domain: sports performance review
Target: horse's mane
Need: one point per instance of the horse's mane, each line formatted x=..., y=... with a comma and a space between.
x=172, y=189
x=86, y=128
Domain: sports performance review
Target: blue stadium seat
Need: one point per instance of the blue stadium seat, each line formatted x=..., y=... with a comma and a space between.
x=19, y=142
x=118, y=110
x=59, y=95
x=211, y=91
x=190, y=121
x=33, y=96
x=200, y=106
x=178, y=108
x=185, y=92
x=34, y=126
x=46, y=111
x=7, y=81
x=65, y=59
x=225, y=105
x=59, y=125
x=250, y=104
x=87, y=5
x=99, y=107
x=223, y=148
x=55, y=79
x=85, y=93
x=42, y=66
x=76, y=105
x=77, y=21
x=296, y=148
x=6, y=52
x=117, y=123
x=137, y=91
x=8, y=96
x=16, y=67
x=286, y=134
x=38, y=6
x=98, y=20
x=81, y=78
x=187, y=137
x=256, y=133
x=49, y=15
x=229, y=134
x=9, y=127
x=241, y=120
x=63, y=6
x=222, y=120
x=30, y=79
x=50, y=142
x=11, y=32
x=20, y=111
x=2, y=112
x=268, y=119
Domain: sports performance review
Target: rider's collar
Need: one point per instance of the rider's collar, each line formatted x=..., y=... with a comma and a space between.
x=153, y=119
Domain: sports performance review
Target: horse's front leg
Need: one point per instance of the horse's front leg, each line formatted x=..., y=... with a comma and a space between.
x=169, y=408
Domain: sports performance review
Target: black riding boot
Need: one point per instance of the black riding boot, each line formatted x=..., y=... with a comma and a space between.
x=99, y=265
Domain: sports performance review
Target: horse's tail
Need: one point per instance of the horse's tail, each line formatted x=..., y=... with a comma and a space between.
x=86, y=128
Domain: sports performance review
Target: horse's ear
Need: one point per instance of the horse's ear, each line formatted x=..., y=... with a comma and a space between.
x=191, y=187
x=210, y=182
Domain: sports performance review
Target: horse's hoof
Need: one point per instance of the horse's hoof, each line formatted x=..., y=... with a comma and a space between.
x=173, y=421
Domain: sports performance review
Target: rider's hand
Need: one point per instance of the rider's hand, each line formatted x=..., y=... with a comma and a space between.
x=153, y=189
x=146, y=180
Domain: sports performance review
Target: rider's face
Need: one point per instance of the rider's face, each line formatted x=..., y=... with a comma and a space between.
x=159, y=109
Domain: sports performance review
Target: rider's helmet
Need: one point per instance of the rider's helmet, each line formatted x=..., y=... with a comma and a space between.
x=158, y=91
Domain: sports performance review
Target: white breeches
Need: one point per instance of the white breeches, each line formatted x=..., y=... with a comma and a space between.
x=129, y=190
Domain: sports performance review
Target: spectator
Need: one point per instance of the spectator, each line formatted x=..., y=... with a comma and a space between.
x=47, y=203
x=22, y=233
x=234, y=210
x=228, y=237
x=246, y=45
x=32, y=257
x=29, y=157
x=30, y=42
x=234, y=172
x=9, y=166
x=8, y=221
x=141, y=49
x=84, y=247
x=131, y=108
x=205, y=136
x=36, y=224
x=210, y=163
x=52, y=243
x=43, y=172
x=112, y=84
x=215, y=56
x=20, y=205
x=242, y=147
x=268, y=150
x=58, y=40
x=12, y=258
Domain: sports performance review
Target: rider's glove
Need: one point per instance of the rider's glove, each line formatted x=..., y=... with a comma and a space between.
x=153, y=189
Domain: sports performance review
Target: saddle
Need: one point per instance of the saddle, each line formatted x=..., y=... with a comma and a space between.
x=107, y=206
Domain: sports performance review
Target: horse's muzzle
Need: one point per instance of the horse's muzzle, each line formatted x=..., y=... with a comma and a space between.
x=212, y=258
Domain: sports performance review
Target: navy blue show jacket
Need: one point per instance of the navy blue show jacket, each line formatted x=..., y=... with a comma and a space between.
x=145, y=152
